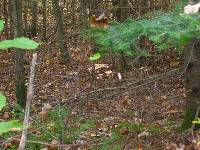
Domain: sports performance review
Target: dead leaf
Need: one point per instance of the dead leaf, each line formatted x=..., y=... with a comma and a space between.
x=44, y=149
x=140, y=147
x=174, y=63
x=124, y=131
x=6, y=115
x=53, y=145
x=142, y=134
x=93, y=135
x=43, y=115
x=126, y=101
x=98, y=66
x=108, y=73
x=45, y=109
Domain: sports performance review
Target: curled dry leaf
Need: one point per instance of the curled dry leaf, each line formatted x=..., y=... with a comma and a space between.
x=53, y=145
x=45, y=109
x=124, y=131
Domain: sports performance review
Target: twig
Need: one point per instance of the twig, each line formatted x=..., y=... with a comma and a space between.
x=28, y=103
x=56, y=145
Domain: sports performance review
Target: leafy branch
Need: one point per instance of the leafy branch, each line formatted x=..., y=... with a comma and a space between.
x=170, y=30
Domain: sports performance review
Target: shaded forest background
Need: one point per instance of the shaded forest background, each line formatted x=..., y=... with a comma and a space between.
x=96, y=105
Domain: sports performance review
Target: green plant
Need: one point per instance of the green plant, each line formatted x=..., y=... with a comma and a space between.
x=109, y=141
x=22, y=43
x=165, y=30
x=6, y=126
x=53, y=127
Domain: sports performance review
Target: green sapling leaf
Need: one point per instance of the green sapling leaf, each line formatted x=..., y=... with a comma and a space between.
x=1, y=25
x=22, y=43
x=2, y=101
x=95, y=57
x=12, y=125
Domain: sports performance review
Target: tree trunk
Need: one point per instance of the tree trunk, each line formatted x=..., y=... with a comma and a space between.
x=143, y=7
x=192, y=81
x=59, y=21
x=5, y=11
x=122, y=13
x=25, y=17
x=11, y=15
x=93, y=7
x=34, y=10
x=44, y=16
x=19, y=54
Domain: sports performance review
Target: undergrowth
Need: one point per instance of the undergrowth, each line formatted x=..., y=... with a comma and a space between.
x=51, y=129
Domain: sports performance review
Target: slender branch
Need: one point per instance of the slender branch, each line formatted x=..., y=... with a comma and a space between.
x=56, y=145
x=28, y=103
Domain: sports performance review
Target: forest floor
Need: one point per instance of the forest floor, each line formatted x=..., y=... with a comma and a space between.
x=92, y=108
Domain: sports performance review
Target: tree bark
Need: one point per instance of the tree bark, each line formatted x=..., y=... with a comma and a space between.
x=34, y=11
x=59, y=20
x=192, y=82
x=44, y=22
x=5, y=11
x=25, y=17
x=29, y=97
x=19, y=54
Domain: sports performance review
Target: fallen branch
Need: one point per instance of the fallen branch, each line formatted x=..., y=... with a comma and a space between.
x=28, y=103
x=66, y=146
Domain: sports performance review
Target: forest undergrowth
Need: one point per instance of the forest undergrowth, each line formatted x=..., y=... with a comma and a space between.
x=86, y=104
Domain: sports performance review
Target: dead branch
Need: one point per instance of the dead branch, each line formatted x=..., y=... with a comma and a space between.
x=28, y=103
x=66, y=146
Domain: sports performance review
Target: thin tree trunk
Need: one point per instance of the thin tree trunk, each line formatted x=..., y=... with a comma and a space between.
x=25, y=17
x=59, y=20
x=44, y=23
x=29, y=97
x=34, y=11
x=5, y=11
x=11, y=19
x=19, y=54
x=192, y=81
x=122, y=14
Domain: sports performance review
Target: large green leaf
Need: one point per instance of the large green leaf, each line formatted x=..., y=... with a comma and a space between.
x=12, y=125
x=2, y=101
x=1, y=25
x=22, y=43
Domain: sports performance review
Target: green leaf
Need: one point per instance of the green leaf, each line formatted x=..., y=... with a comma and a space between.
x=22, y=43
x=12, y=125
x=1, y=25
x=95, y=57
x=2, y=101
x=197, y=121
